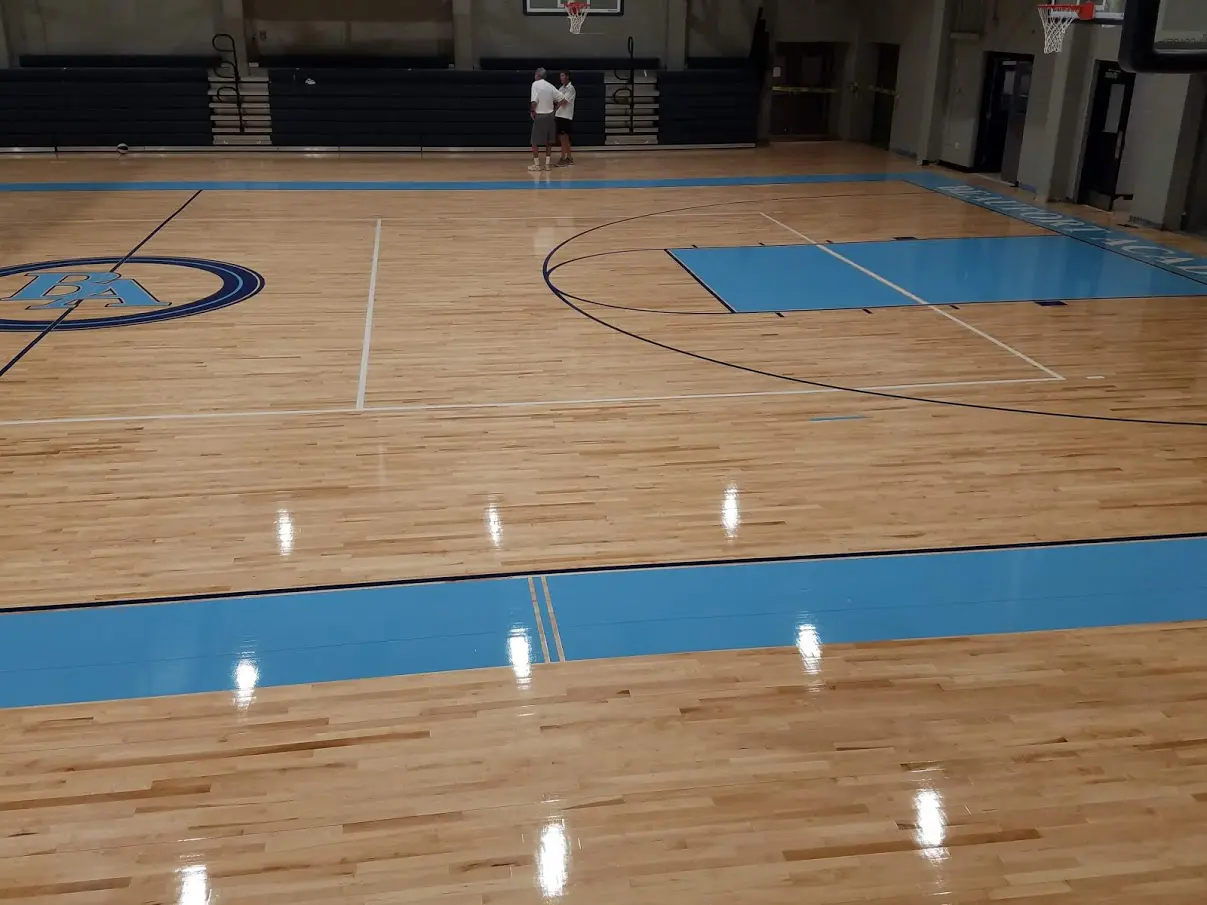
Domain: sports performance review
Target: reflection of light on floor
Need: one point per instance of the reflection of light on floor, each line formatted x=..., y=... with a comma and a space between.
x=519, y=652
x=284, y=532
x=731, y=514
x=544, y=238
x=247, y=677
x=194, y=885
x=808, y=644
x=494, y=525
x=553, y=859
x=931, y=825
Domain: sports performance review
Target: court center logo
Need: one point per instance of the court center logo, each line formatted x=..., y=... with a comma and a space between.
x=118, y=291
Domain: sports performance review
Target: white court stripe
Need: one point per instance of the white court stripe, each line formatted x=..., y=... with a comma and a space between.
x=539, y=403
x=909, y=295
x=363, y=384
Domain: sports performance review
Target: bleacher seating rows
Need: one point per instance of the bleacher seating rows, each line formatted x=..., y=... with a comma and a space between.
x=103, y=107
x=149, y=106
x=416, y=108
x=708, y=107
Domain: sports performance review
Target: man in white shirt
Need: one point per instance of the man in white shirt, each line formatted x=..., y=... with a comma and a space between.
x=543, y=101
x=565, y=120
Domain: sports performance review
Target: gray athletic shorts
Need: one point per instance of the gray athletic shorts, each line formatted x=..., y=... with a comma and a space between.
x=544, y=130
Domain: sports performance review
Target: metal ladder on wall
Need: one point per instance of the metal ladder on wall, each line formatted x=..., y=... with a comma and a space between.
x=631, y=105
x=240, y=112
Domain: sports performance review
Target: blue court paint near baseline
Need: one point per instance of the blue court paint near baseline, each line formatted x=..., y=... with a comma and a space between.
x=769, y=278
x=1118, y=241
x=121, y=652
x=884, y=598
x=289, y=639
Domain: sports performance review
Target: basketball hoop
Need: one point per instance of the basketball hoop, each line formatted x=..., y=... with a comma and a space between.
x=578, y=15
x=1058, y=18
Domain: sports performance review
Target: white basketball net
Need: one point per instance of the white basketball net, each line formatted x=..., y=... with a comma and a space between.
x=578, y=15
x=1056, y=26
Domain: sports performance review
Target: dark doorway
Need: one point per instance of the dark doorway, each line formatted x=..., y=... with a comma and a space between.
x=884, y=93
x=805, y=85
x=1109, y=111
x=1004, y=97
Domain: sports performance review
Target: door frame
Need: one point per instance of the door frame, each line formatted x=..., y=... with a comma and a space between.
x=1100, y=66
x=990, y=60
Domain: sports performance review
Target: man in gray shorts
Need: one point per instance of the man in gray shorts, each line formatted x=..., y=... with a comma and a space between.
x=543, y=103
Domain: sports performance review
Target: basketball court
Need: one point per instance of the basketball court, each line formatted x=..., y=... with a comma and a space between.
x=763, y=525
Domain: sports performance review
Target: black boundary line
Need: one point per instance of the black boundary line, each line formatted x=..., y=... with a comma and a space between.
x=896, y=397
x=707, y=288
x=49, y=328
x=601, y=570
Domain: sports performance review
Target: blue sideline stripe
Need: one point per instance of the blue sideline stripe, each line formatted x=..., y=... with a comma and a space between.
x=463, y=186
x=1170, y=259
x=121, y=652
x=880, y=598
x=181, y=648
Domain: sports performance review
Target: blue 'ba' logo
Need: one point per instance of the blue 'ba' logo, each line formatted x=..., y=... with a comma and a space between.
x=128, y=291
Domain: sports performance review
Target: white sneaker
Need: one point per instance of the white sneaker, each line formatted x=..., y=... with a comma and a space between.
x=535, y=168
x=546, y=166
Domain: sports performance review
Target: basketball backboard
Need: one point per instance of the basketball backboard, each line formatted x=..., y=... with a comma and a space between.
x=558, y=7
x=1106, y=12
x=1164, y=36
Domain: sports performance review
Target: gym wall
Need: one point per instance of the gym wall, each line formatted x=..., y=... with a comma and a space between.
x=110, y=26
x=399, y=28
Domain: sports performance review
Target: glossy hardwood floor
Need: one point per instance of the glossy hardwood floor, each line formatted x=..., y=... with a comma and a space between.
x=137, y=462
x=1058, y=768
x=153, y=461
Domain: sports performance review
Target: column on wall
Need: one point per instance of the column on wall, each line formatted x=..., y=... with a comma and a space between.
x=938, y=59
x=463, y=34
x=1054, y=169
x=4, y=62
x=1166, y=115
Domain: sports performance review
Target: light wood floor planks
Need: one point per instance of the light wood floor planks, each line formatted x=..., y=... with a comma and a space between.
x=1063, y=768
x=1057, y=768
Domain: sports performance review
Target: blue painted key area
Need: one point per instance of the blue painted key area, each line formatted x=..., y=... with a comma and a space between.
x=939, y=271
x=237, y=644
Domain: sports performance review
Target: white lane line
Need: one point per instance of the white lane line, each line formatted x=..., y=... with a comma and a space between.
x=539, y=403
x=364, y=354
x=909, y=295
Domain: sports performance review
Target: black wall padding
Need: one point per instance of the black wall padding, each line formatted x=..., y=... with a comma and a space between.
x=44, y=107
x=574, y=64
x=415, y=108
x=707, y=107
x=350, y=61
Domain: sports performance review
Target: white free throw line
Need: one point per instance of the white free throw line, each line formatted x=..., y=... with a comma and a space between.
x=364, y=354
x=921, y=301
x=541, y=403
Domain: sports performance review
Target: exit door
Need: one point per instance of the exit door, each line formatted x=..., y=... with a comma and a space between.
x=806, y=84
x=1107, y=135
x=1004, y=97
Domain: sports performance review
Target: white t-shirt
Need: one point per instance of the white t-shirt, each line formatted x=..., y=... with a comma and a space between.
x=568, y=94
x=545, y=96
